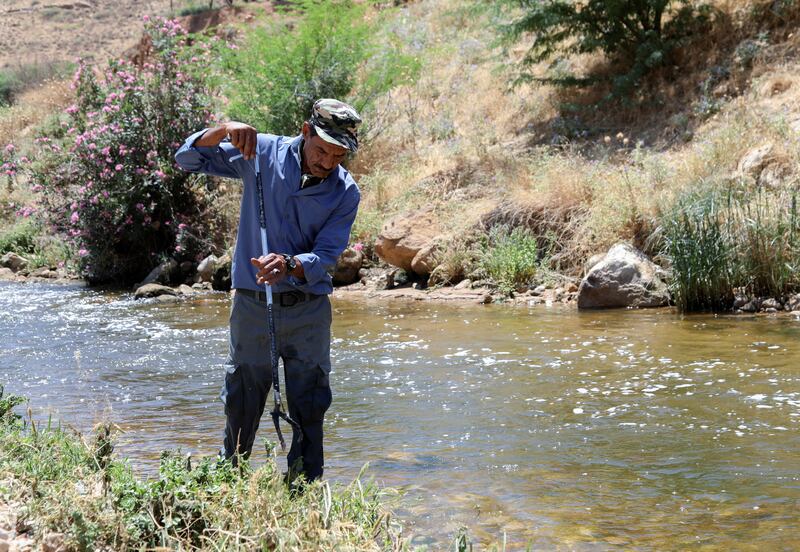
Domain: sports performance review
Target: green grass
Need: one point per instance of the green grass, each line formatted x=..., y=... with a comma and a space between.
x=57, y=481
x=19, y=238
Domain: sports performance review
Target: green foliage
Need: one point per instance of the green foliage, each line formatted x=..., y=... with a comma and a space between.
x=77, y=488
x=328, y=52
x=737, y=239
x=638, y=35
x=109, y=181
x=7, y=403
x=511, y=256
x=19, y=238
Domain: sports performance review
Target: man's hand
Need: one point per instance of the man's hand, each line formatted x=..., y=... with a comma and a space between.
x=243, y=137
x=271, y=269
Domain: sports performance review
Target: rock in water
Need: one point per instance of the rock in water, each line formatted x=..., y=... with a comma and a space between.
x=347, y=266
x=153, y=290
x=624, y=278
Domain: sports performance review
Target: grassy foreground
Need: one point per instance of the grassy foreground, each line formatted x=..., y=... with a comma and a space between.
x=54, y=481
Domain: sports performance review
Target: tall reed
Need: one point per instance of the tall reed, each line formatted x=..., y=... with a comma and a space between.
x=732, y=238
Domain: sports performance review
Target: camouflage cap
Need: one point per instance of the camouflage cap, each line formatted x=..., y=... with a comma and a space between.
x=336, y=122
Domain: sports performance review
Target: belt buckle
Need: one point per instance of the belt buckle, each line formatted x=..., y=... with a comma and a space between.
x=291, y=295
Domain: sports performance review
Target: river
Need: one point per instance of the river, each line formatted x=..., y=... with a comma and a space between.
x=569, y=430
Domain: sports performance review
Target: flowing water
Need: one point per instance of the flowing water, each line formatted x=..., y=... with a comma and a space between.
x=608, y=430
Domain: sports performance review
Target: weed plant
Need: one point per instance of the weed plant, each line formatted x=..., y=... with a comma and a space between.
x=511, y=257
x=55, y=480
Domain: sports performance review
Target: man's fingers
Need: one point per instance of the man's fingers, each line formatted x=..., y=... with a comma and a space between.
x=247, y=147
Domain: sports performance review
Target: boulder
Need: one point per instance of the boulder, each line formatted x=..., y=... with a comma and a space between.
x=221, y=279
x=347, y=266
x=404, y=236
x=593, y=260
x=427, y=258
x=166, y=273
x=13, y=261
x=755, y=160
x=153, y=290
x=206, y=268
x=624, y=278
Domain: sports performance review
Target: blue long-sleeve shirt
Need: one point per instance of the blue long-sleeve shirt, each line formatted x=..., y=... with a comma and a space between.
x=312, y=224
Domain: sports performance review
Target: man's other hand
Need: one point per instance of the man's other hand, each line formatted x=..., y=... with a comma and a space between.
x=243, y=137
x=271, y=269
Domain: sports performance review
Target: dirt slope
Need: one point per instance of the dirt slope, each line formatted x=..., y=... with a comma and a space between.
x=47, y=31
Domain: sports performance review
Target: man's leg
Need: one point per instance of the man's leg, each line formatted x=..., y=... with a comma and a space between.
x=305, y=348
x=248, y=374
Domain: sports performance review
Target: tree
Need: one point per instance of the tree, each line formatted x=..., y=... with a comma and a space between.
x=638, y=35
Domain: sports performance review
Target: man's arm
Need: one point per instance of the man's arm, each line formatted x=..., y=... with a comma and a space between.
x=312, y=267
x=205, y=151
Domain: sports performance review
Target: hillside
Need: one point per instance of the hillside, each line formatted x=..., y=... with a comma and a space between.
x=465, y=156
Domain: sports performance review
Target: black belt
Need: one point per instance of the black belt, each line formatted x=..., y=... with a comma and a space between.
x=284, y=299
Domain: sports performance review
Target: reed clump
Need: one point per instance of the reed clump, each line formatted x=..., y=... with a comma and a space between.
x=728, y=240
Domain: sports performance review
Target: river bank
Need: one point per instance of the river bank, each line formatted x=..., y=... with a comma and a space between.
x=63, y=491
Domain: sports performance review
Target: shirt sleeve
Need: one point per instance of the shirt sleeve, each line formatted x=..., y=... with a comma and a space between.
x=213, y=160
x=331, y=241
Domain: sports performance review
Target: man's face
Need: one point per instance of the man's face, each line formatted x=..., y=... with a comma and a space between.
x=321, y=157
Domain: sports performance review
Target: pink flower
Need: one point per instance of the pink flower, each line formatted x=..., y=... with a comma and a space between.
x=146, y=18
x=140, y=206
x=10, y=148
x=181, y=226
x=37, y=188
x=358, y=246
x=178, y=248
x=75, y=217
x=82, y=252
x=118, y=167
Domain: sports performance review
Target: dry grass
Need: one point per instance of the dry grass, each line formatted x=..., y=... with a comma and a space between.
x=459, y=140
x=31, y=109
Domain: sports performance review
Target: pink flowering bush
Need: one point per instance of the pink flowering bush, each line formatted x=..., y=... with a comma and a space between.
x=108, y=180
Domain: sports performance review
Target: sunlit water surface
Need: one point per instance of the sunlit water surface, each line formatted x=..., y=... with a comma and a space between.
x=585, y=431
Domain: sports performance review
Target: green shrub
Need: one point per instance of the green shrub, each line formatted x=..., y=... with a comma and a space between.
x=19, y=238
x=511, y=257
x=637, y=35
x=275, y=77
x=110, y=184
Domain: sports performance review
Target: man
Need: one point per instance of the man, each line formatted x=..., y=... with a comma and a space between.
x=310, y=203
